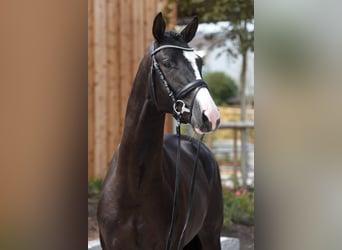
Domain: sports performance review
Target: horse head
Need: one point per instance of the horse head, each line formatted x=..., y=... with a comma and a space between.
x=180, y=89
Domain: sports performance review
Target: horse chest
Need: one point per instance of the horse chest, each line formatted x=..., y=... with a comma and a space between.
x=135, y=231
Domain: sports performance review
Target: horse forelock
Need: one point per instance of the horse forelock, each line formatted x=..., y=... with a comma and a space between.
x=173, y=38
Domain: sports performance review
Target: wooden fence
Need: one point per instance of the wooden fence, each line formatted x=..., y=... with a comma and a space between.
x=119, y=31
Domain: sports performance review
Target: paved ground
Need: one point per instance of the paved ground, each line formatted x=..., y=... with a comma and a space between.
x=226, y=244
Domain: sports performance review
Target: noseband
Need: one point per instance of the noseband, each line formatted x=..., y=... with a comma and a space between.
x=178, y=104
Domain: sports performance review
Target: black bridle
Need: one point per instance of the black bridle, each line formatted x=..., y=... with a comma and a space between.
x=178, y=109
x=178, y=104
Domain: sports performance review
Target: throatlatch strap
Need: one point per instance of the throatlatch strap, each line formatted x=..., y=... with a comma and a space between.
x=156, y=67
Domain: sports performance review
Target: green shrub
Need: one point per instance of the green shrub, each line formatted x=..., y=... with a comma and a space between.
x=94, y=187
x=221, y=87
x=238, y=206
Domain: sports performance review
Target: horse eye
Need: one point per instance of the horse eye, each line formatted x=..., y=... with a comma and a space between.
x=167, y=63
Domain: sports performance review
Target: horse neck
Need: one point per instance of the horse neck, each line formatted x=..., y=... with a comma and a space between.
x=141, y=144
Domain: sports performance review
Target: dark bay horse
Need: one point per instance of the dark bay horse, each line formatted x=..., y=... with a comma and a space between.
x=135, y=207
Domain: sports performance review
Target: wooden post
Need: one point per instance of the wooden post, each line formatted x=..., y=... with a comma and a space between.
x=100, y=88
x=235, y=155
x=238, y=126
x=210, y=141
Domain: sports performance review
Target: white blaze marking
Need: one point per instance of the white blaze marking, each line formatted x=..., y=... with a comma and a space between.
x=208, y=106
x=203, y=96
x=191, y=57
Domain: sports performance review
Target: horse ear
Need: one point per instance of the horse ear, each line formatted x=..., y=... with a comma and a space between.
x=189, y=31
x=158, y=27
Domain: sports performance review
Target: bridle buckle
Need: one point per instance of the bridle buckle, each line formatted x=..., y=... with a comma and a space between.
x=182, y=107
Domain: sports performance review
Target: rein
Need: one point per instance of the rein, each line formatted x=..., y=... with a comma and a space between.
x=178, y=108
x=175, y=195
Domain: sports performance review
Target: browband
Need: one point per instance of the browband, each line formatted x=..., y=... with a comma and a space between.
x=170, y=46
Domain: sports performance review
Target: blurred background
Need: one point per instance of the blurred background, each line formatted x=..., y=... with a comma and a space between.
x=46, y=122
x=119, y=33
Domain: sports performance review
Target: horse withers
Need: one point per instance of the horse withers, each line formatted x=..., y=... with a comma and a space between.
x=136, y=203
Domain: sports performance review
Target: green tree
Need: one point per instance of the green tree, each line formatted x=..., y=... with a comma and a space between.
x=221, y=86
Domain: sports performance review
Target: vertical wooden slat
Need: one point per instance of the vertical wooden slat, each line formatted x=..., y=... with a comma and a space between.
x=100, y=79
x=90, y=89
x=150, y=12
x=138, y=30
x=119, y=33
x=113, y=78
x=126, y=45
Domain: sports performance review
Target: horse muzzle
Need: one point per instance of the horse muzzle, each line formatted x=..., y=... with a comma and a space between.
x=205, y=114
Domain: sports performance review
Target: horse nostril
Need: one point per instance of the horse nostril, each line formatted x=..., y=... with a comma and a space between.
x=204, y=117
x=218, y=123
x=207, y=125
